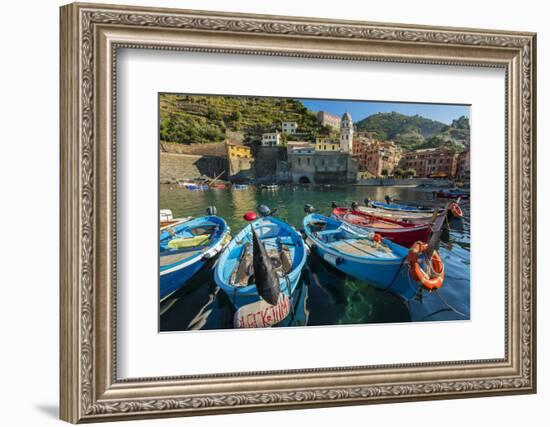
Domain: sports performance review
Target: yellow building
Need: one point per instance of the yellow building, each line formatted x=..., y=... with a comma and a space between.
x=324, y=144
x=235, y=151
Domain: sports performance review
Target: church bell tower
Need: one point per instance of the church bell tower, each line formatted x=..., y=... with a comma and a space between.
x=346, y=133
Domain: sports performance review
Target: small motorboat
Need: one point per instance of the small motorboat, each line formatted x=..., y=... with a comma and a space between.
x=262, y=263
x=451, y=194
x=370, y=258
x=240, y=186
x=185, y=247
x=400, y=232
x=219, y=186
x=196, y=187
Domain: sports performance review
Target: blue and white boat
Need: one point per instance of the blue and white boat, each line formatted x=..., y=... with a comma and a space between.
x=234, y=272
x=185, y=247
x=358, y=254
x=240, y=186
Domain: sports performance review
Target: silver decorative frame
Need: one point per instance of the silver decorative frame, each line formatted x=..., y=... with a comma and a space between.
x=90, y=36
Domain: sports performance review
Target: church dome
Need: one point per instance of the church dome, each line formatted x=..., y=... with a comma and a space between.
x=346, y=117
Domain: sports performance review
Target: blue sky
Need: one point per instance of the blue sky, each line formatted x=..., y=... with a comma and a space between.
x=444, y=113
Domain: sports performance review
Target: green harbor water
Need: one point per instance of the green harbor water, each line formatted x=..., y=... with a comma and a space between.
x=325, y=296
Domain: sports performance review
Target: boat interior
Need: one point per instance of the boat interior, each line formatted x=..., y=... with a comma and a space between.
x=344, y=240
x=191, y=240
x=283, y=251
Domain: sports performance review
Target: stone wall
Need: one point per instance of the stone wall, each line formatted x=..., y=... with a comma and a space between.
x=174, y=167
x=376, y=182
x=241, y=169
x=265, y=164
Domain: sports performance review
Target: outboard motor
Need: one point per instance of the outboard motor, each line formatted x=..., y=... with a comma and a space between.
x=211, y=210
x=264, y=211
x=309, y=208
x=387, y=198
x=333, y=205
x=354, y=205
x=367, y=201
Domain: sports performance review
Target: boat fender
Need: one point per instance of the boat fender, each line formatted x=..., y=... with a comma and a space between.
x=250, y=216
x=435, y=281
x=456, y=210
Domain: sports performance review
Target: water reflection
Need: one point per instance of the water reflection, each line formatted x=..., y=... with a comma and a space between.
x=325, y=296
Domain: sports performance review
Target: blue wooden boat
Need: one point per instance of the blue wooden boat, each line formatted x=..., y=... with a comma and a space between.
x=285, y=247
x=185, y=247
x=358, y=254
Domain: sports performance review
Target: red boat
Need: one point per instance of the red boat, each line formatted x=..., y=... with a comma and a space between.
x=402, y=233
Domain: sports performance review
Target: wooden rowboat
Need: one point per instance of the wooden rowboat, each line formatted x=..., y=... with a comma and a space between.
x=360, y=254
x=400, y=232
x=185, y=247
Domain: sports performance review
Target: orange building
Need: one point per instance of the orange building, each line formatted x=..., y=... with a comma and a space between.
x=431, y=162
x=374, y=157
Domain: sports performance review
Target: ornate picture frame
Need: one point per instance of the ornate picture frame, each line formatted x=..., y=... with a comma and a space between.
x=90, y=37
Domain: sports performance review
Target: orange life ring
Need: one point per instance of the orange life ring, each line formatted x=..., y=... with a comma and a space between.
x=418, y=274
x=456, y=210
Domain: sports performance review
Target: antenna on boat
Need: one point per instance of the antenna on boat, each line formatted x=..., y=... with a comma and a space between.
x=264, y=211
x=309, y=208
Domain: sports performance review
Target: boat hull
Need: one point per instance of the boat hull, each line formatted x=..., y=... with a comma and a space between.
x=386, y=274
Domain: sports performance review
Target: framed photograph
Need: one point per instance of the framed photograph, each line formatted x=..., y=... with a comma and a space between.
x=268, y=212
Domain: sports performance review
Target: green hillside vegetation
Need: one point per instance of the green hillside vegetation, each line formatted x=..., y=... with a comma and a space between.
x=417, y=132
x=189, y=119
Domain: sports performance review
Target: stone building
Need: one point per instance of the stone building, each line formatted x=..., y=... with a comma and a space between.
x=431, y=162
x=305, y=165
x=327, y=119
